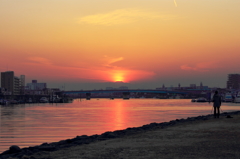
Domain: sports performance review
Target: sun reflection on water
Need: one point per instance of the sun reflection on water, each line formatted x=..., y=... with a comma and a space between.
x=33, y=124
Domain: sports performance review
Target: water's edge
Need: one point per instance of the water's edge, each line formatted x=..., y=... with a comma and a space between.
x=15, y=151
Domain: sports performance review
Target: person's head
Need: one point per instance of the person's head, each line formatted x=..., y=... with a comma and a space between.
x=216, y=92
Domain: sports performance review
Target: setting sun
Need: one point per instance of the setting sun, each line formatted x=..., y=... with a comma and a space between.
x=118, y=77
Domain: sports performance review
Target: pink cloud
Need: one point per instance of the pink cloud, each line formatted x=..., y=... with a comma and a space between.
x=186, y=67
x=39, y=60
x=201, y=67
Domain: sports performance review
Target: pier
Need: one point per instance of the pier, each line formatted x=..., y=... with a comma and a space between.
x=125, y=94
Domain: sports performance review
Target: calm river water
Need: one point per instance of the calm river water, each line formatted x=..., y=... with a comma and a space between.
x=32, y=124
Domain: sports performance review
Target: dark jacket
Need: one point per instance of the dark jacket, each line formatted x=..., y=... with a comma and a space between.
x=217, y=100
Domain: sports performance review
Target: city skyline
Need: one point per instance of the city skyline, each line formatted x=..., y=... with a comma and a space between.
x=231, y=83
x=90, y=44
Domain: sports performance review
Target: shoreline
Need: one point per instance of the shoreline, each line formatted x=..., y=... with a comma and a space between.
x=16, y=152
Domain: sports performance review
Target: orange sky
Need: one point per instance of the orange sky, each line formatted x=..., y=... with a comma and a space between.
x=146, y=42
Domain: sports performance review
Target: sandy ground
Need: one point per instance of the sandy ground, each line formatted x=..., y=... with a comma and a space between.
x=214, y=139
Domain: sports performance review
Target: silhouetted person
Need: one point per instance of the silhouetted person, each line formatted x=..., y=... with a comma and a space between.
x=216, y=104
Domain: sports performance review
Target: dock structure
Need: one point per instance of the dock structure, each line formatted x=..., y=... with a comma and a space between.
x=88, y=96
x=124, y=94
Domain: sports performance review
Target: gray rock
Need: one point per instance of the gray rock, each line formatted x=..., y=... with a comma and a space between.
x=14, y=149
x=109, y=135
x=47, y=148
x=82, y=137
x=27, y=157
x=69, y=141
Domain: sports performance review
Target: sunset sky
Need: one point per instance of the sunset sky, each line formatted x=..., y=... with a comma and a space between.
x=85, y=44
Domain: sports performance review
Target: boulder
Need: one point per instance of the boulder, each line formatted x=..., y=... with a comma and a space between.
x=14, y=149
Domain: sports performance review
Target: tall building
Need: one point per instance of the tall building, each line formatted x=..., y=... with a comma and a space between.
x=22, y=80
x=233, y=81
x=22, y=84
x=7, y=80
x=16, y=88
x=10, y=82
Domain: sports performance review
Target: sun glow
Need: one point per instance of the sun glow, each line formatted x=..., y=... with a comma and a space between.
x=118, y=77
x=127, y=76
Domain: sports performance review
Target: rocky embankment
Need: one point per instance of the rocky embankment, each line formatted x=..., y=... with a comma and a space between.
x=28, y=153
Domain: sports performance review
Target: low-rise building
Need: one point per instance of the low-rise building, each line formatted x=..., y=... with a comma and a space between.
x=36, y=86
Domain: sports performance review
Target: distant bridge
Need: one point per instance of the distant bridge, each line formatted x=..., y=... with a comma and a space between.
x=125, y=91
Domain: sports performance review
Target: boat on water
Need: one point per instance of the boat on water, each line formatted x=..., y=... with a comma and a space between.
x=1, y=101
x=228, y=97
x=237, y=98
x=55, y=99
x=193, y=100
x=29, y=100
x=14, y=102
x=44, y=100
x=178, y=97
x=4, y=102
x=201, y=99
